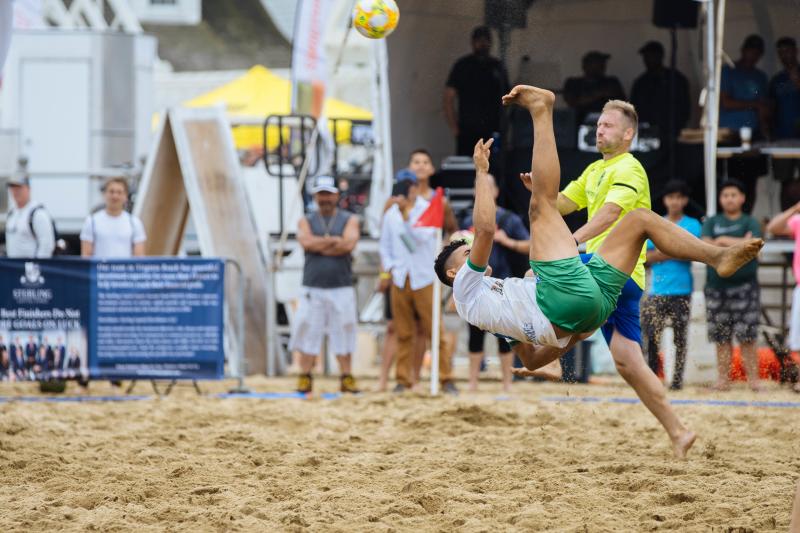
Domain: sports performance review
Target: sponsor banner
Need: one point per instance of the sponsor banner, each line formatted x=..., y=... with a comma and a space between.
x=149, y=318
x=309, y=60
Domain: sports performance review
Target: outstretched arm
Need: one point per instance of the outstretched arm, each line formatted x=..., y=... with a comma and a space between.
x=485, y=211
x=779, y=225
x=601, y=221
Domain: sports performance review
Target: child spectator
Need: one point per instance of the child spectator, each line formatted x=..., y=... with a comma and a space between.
x=733, y=304
x=670, y=296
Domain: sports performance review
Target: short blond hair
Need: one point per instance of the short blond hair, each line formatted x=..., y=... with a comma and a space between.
x=627, y=110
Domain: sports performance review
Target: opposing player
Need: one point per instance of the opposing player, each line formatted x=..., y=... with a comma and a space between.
x=569, y=298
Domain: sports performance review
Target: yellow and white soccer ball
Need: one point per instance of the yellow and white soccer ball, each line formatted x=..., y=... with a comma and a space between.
x=375, y=18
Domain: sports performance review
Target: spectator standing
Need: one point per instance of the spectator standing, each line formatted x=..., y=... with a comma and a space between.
x=328, y=299
x=787, y=224
x=389, y=349
x=733, y=304
x=29, y=228
x=112, y=232
x=650, y=94
x=512, y=238
x=744, y=104
x=670, y=298
x=784, y=92
x=420, y=169
x=477, y=81
x=589, y=93
x=408, y=253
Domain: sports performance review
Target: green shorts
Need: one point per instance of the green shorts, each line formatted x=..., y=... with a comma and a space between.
x=577, y=297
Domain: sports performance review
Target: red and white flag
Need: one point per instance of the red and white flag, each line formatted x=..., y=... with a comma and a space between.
x=433, y=217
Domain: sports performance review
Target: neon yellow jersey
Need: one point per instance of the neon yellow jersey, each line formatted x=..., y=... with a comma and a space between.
x=622, y=181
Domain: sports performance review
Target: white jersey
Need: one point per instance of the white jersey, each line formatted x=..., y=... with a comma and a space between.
x=507, y=307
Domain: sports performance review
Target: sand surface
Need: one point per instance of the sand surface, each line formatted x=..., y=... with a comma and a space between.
x=386, y=463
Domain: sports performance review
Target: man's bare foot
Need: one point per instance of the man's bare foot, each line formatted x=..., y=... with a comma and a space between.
x=720, y=386
x=796, y=387
x=529, y=97
x=550, y=372
x=756, y=386
x=682, y=443
x=737, y=256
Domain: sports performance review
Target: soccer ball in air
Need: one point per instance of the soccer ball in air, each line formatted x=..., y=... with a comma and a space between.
x=375, y=18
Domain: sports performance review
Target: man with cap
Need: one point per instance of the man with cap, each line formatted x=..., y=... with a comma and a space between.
x=589, y=93
x=407, y=256
x=784, y=93
x=327, y=304
x=29, y=228
x=477, y=81
x=650, y=94
x=744, y=103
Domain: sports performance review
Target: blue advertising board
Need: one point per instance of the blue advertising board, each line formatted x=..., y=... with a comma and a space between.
x=144, y=318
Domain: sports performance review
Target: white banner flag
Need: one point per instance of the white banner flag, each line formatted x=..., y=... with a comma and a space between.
x=309, y=62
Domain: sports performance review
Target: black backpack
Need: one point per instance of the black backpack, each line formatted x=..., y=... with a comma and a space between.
x=57, y=250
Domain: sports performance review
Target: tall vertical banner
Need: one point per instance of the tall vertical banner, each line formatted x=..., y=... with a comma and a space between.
x=153, y=318
x=309, y=60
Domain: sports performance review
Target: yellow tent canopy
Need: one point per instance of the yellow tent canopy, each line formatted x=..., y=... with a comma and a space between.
x=260, y=93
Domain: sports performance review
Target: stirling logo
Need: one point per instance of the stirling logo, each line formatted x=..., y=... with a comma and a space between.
x=33, y=275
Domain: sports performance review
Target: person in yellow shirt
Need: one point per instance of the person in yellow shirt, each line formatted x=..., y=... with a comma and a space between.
x=608, y=189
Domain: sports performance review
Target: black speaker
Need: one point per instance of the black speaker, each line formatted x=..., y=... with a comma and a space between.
x=675, y=13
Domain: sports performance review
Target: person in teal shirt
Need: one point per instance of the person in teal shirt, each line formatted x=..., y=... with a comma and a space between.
x=670, y=297
x=733, y=304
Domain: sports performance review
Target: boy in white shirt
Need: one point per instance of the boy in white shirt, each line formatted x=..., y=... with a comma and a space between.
x=113, y=232
x=566, y=298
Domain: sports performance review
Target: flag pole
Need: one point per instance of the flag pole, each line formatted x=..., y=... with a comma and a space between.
x=435, y=327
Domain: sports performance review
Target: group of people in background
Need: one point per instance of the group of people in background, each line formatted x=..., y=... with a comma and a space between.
x=37, y=358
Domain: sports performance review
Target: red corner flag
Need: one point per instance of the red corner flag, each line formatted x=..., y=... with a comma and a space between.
x=434, y=215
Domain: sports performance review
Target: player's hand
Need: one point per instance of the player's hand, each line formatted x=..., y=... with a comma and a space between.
x=481, y=155
x=501, y=237
x=384, y=284
x=527, y=180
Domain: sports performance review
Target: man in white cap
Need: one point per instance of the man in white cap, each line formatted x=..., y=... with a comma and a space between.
x=327, y=299
x=29, y=228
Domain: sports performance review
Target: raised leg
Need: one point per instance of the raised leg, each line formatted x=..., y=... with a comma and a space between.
x=623, y=245
x=552, y=239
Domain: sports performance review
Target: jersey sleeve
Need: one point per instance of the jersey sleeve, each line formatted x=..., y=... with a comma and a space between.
x=86, y=232
x=576, y=191
x=627, y=186
x=454, y=79
x=694, y=227
x=707, y=229
x=139, y=234
x=468, y=285
x=794, y=224
x=755, y=227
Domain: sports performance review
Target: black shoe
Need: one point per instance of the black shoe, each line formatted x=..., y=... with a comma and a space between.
x=448, y=387
x=348, y=384
x=399, y=388
x=305, y=383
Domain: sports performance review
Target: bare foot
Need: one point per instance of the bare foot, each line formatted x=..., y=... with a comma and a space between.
x=720, y=386
x=796, y=387
x=737, y=256
x=550, y=372
x=529, y=97
x=473, y=387
x=756, y=386
x=681, y=444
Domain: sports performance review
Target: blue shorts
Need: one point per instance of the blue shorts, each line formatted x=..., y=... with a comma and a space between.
x=625, y=318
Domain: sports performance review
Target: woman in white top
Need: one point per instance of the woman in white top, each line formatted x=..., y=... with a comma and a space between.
x=113, y=232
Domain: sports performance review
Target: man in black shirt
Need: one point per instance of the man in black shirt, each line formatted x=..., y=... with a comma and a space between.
x=590, y=92
x=650, y=94
x=478, y=81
